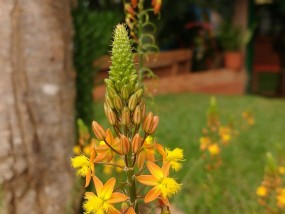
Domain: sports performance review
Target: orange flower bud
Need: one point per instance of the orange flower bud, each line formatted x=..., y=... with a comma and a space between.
x=155, y=122
x=143, y=108
x=118, y=103
x=137, y=115
x=111, y=117
x=98, y=130
x=148, y=121
x=133, y=102
x=126, y=118
x=134, y=3
x=129, y=9
x=156, y=5
x=136, y=143
x=125, y=144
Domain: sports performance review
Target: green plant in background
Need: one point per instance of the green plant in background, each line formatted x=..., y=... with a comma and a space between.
x=93, y=31
x=230, y=36
x=142, y=31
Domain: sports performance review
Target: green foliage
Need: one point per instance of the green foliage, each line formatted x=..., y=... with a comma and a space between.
x=93, y=32
x=182, y=119
x=230, y=36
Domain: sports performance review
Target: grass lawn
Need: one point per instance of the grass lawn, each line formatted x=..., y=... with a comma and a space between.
x=231, y=189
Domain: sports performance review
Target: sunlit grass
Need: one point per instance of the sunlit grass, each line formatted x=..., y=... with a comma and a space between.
x=182, y=118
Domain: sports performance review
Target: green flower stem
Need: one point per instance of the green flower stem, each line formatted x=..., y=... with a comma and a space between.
x=114, y=150
x=132, y=188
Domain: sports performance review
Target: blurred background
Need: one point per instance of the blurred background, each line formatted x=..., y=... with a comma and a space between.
x=54, y=56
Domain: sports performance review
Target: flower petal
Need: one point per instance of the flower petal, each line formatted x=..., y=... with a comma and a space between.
x=165, y=201
x=100, y=157
x=88, y=178
x=148, y=180
x=107, y=189
x=117, y=197
x=155, y=170
x=109, y=137
x=161, y=150
x=130, y=211
x=113, y=210
x=152, y=194
x=98, y=184
x=165, y=169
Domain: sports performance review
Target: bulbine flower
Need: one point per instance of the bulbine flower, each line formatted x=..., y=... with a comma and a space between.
x=84, y=167
x=163, y=186
x=261, y=191
x=123, y=148
x=103, y=200
x=173, y=157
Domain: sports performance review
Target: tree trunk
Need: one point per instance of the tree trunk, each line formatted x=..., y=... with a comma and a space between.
x=37, y=106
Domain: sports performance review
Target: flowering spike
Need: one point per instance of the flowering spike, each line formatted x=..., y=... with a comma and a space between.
x=122, y=67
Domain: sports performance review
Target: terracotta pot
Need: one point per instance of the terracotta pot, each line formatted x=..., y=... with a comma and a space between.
x=233, y=60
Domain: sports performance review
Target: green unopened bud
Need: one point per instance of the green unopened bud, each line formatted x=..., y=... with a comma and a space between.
x=125, y=92
x=111, y=92
x=139, y=93
x=131, y=88
x=133, y=78
x=126, y=116
x=109, y=83
x=118, y=85
x=133, y=102
x=137, y=117
x=111, y=117
x=118, y=103
x=138, y=86
x=109, y=102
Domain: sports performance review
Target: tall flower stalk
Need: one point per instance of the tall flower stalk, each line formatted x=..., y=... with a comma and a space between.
x=146, y=163
x=142, y=30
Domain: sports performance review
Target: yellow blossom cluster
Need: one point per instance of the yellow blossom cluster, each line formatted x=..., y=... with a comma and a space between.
x=271, y=192
x=215, y=137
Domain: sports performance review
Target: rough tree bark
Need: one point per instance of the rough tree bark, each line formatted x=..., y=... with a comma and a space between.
x=36, y=108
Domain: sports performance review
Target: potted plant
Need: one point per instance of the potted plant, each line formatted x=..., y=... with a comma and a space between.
x=231, y=40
